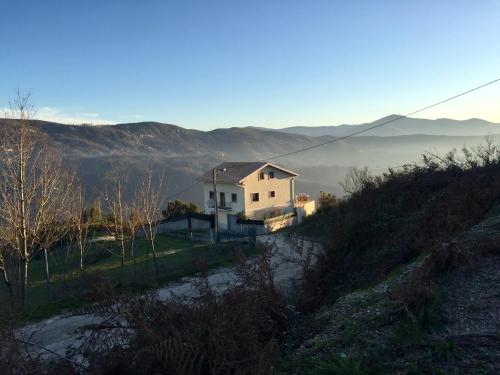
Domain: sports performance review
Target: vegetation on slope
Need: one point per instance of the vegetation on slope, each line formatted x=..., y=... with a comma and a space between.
x=391, y=219
x=409, y=280
x=373, y=303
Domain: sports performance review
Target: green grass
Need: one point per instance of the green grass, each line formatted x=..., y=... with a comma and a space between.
x=176, y=258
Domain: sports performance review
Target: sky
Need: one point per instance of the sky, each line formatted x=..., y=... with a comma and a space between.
x=273, y=63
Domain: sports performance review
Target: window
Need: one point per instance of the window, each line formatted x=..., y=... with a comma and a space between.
x=234, y=197
x=261, y=175
x=222, y=200
x=272, y=194
x=255, y=197
x=271, y=174
x=211, y=195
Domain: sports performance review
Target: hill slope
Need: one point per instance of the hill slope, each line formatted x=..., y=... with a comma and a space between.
x=185, y=154
x=404, y=126
x=409, y=280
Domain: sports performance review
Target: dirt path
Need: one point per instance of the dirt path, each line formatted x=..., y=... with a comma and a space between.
x=64, y=334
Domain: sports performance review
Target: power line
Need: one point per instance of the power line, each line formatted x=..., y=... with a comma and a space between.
x=383, y=123
x=336, y=139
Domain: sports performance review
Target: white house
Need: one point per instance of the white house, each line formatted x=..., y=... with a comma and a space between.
x=255, y=190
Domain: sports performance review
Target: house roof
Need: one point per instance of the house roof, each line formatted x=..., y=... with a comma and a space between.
x=237, y=171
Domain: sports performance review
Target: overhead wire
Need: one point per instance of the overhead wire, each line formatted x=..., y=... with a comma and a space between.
x=339, y=138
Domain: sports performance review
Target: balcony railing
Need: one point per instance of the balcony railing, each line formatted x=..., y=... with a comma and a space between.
x=226, y=206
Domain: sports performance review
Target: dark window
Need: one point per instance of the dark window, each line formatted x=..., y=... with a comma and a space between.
x=272, y=194
x=255, y=197
x=261, y=175
x=222, y=202
x=234, y=197
x=271, y=174
x=211, y=195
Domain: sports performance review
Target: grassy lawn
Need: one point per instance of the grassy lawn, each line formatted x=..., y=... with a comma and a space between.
x=176, y=258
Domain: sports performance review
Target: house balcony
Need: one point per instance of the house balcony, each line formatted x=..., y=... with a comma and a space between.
x=224, y=207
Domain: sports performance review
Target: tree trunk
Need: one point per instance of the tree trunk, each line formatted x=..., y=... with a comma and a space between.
x=155, y=261
x=19, y=278
x=66, y=260
x=82, y=266
x=47, y=275
x=122, y=262
x=24, y=282
x=132, y=253
x=147, y=261
x=23, y=221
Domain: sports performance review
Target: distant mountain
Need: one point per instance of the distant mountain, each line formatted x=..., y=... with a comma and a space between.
x=404, y=126
x=184, y=154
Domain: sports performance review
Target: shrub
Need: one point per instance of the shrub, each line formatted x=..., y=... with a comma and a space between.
x=390, y=219
x=446, y=351
x=179, y=208
x=326, y=201
x=339, y=365
x=235, y=332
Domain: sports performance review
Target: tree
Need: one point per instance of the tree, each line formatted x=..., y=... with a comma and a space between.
x=81, y=222
x=356, y=180
x=177, y=207
x=150, y=199
x=95, y=212
x=133, y=223
x=54, y=207
x=326, y=200
x=34, y=192
x=114, y=197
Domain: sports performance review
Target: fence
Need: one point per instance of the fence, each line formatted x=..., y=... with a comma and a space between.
x=209, y=236
x=262, y=226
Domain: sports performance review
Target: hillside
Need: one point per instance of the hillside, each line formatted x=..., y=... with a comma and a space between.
x=426, y=317
x=400, y=277
x=184, y=154
x=403, y=278
x=404, y=126
x=409, y=280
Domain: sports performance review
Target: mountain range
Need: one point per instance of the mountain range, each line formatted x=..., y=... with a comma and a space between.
x=398, y=125
x=184, y=154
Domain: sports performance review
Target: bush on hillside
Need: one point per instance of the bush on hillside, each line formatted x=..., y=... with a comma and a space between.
x=234, y=332
x=326, y=201
x=390, y=219
x=179, y=208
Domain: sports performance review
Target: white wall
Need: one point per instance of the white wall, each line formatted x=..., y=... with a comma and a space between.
x=228, y=189
x=305, y=209
x=282, y=184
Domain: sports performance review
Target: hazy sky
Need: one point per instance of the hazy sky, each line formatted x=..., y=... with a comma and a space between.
x=205, y=64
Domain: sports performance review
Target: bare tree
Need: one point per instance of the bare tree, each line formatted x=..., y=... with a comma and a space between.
x=356, y=179
x=81, y=225
x=115, y=201
x=133, y=223
x=54, y=207
x=150, y=200
x=34, y=189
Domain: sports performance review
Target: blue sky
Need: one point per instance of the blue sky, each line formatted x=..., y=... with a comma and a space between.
x=207, y=64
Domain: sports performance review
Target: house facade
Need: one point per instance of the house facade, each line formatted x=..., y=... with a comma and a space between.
x=253, y=190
